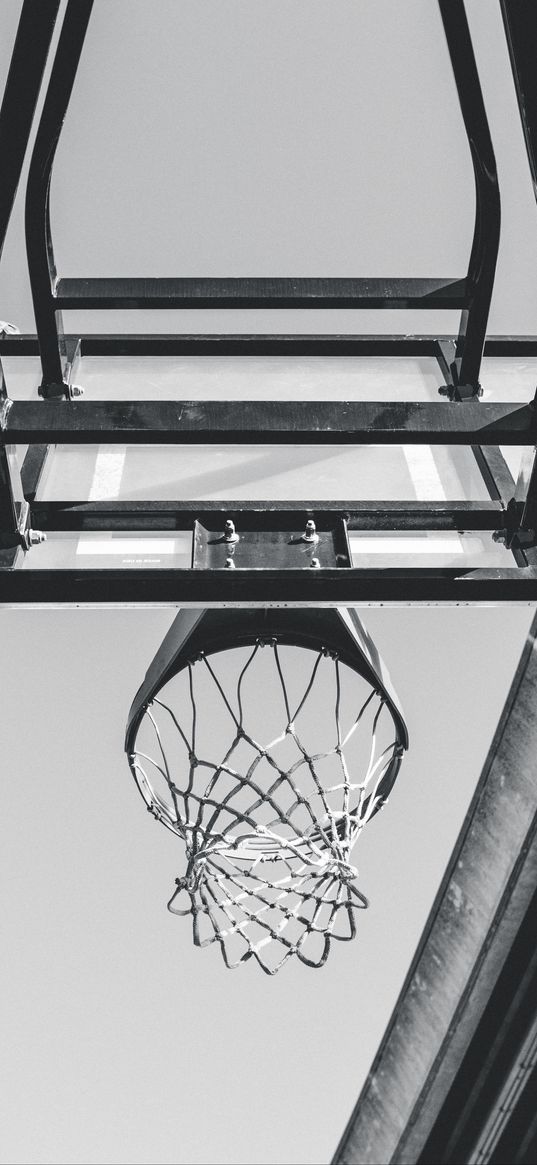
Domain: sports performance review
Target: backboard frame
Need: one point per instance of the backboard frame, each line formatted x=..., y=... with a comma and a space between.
x=510, y=512
x=52, y=294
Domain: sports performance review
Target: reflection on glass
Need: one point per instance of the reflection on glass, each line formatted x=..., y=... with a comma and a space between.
x=96, y=550
x=428, y=548
x=259, y=472
x=383, y=378
x=508, y=378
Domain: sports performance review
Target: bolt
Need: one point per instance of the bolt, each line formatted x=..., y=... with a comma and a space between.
x=310, y=533
x=35, y=537
x=230, y=565
x=230, y=534
x=315, y=564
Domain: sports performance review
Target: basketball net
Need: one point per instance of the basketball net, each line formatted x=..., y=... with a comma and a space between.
x=268, y=845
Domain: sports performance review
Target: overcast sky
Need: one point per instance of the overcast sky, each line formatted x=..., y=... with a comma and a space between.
x=225, y=138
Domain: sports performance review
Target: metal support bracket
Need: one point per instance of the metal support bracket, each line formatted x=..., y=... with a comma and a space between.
x=15, y=513
x=471, y=294
x=281, y=548
x=15, y=529
x=65, y=389
x=522, y=508
x=450, y=365
x=514, y=535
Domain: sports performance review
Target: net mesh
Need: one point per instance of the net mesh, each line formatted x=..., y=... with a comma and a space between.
x=268, y=826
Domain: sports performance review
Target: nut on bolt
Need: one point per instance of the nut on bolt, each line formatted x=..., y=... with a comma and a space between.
x=310, y=533
x=230, y=533
x=34, y=537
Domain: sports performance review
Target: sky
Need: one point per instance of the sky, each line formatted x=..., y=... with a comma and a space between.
x=228, y=138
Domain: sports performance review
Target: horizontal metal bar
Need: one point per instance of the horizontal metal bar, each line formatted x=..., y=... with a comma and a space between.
x=154, y=344
x=263, y=345
x=511, y=346
x=261, y=293
x=259, y=515
x=268, y=422
x=291, y=587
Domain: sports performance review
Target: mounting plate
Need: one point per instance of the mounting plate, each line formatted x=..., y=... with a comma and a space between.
x=269, y=549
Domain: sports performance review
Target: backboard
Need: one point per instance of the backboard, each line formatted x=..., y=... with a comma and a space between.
x=393, y=445
x=281, y=483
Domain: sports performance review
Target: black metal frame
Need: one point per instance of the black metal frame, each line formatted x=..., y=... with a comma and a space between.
x=39, y=246
x=28, y=60
x=471, y=294
x=21, y=93
x=461, y=419
x=445, y=422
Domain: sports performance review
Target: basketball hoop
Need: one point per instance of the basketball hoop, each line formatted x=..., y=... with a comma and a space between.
x=268, y=819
